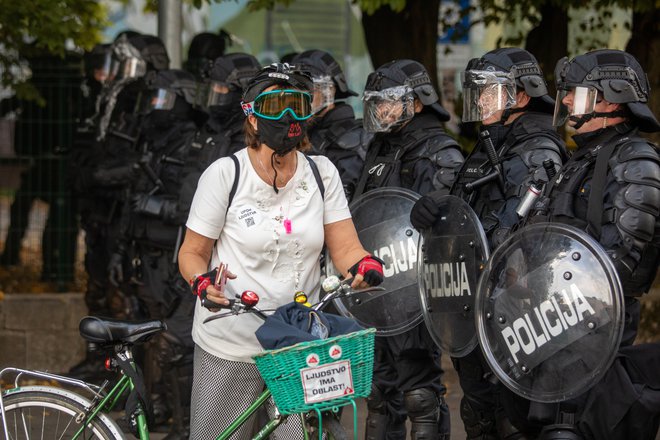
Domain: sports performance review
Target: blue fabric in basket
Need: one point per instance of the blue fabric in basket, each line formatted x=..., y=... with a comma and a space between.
x=294, y=322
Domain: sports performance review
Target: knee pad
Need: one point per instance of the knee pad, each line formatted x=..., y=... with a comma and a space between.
x=376, y=400
x=422, y=404
x=424, y=409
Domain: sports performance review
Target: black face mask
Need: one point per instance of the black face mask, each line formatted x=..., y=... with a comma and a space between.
x=282, y=135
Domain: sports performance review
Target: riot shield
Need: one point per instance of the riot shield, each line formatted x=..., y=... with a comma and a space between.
x=382, y=221
x=452, y=255
x=549, y=312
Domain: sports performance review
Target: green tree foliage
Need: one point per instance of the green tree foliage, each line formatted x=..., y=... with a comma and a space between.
x=28, y=28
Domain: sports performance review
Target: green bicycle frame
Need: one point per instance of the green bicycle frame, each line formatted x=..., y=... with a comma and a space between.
x=272, y=424
x=110, y=401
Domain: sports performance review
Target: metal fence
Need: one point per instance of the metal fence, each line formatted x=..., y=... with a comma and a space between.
x=39, y=217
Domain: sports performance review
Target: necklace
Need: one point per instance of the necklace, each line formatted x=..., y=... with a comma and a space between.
x=263, y=168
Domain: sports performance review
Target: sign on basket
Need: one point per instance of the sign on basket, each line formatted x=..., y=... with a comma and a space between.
x=327, y=382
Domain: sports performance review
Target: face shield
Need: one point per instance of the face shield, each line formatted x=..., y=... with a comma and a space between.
x=574, y=101
x=487, y=92
x=100, y=67
x=275, y=103
x=388, y=108
x=158, y=99
x=324, y=93
x=217, y=93
x=131, y=68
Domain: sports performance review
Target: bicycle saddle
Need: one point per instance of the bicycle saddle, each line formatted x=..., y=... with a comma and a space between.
x=113, y=331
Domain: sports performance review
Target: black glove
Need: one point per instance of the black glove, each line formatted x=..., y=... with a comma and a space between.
x=148, y=205
x=371, y=269
x=116, y=269
x=424, y=213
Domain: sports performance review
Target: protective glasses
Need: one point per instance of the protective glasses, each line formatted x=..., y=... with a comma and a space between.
x=275, y=103
x=574, y=101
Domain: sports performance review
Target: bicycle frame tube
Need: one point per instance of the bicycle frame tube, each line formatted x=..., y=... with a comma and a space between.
x=112, y=397
x=240, y=420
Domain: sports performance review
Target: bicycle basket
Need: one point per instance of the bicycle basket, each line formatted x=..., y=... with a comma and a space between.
x=320, y=373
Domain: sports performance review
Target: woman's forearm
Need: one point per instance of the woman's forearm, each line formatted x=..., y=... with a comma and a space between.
x=195, y=254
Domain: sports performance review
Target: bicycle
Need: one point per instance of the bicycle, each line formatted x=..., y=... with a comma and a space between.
x=36, y=410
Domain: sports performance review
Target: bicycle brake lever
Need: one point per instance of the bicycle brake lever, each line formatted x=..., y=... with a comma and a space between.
x=212, y=305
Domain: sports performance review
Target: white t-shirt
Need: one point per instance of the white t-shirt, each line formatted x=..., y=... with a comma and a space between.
x=252, y=240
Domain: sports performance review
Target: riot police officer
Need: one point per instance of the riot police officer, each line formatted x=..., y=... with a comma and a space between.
x=610, y=188
x=204, y=48
x=105, y=160
x=333, y=131
x=157, y=230
x=506, y=92
x=222, y=134
x=603, y=95
x=410, y=150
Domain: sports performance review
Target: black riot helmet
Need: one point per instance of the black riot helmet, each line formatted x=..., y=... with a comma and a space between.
x=286, y=75
x=614, y=75
x=234, y=69
x=204, y=48
x=321, y=65
x=172, y=90
x=408, y=73
x=152, y=50
x=228, y=76
x=520, y=65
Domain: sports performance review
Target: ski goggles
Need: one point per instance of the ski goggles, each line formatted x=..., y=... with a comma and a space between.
x=275, y=103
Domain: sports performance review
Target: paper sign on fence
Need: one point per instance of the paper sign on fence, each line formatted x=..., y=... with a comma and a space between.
x=327, y=382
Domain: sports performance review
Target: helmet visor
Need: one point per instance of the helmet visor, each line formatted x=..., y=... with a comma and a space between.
x=131, y=68
x=159, y=99
x=388, y=108
x=485, y=93
x=574, y=101
x=324, y=93
x=216, y=93
x=275, y=103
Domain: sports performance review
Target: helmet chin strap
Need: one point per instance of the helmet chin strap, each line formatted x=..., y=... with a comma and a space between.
x=583, y=119
x=510, y=111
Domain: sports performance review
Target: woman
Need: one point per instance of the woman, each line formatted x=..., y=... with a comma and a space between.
x=270, y=233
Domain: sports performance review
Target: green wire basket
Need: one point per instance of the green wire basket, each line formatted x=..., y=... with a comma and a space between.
x=318, y=374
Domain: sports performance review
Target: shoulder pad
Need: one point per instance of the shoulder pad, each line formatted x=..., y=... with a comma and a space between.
x=640, y=171
x=638, y=149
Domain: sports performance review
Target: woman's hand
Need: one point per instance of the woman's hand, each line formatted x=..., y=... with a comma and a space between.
x=367, y=272
x=205, y=287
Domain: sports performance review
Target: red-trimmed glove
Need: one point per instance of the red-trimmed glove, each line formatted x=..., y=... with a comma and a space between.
x=371, y=269
x=199, y=283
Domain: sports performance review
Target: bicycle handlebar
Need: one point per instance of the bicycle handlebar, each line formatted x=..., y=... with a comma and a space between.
x=246, y=303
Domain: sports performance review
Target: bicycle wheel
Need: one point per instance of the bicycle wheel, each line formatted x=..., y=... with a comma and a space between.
x=332, y=428
x=37, y=412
